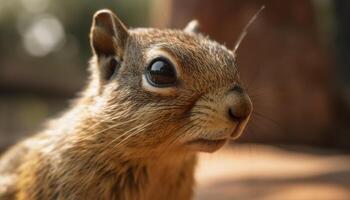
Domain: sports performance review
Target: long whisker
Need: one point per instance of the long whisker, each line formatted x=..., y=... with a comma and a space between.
x=108, y=128
x=111, y=120
x=266, y=118
x=138, y=128
x=245, y=30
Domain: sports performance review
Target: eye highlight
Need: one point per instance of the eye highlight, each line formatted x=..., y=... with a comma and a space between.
x=161, y=73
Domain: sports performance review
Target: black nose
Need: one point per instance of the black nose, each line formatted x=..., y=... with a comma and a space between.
x=240, y=106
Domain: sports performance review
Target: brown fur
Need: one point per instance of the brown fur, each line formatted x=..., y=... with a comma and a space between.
x=118, y=141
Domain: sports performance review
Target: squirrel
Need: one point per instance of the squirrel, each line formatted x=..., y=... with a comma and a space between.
x=154, y=99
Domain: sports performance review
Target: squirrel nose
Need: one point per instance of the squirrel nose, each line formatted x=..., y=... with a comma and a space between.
x=239, y=104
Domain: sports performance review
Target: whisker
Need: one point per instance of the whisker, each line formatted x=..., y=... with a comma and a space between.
x=245, y=30
x=139, y=129
x=267, y=119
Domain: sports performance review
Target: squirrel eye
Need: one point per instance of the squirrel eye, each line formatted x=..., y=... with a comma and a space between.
x=161, y=73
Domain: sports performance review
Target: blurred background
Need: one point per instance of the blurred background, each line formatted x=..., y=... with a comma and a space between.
x=295, y=63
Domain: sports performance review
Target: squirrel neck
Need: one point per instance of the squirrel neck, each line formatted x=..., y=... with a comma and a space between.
x=120, y=173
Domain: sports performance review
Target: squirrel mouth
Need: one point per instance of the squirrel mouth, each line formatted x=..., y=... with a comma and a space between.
x=206, y=145
x=238, y=130
x=217, y=140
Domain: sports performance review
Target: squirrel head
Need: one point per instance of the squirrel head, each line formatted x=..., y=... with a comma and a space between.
x=164, y=90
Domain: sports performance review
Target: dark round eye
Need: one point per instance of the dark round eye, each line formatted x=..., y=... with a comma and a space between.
x=161, y=73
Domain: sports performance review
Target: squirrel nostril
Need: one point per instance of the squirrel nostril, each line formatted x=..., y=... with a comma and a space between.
x=240, y=111
x=233, y=115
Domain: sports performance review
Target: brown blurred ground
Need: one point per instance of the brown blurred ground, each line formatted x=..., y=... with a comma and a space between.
x=261, y=172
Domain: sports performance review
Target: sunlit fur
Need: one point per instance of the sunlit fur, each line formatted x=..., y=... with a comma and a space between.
x=120, y=140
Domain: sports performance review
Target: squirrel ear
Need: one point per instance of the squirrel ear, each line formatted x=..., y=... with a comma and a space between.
x=192, y=26
x=108, y=34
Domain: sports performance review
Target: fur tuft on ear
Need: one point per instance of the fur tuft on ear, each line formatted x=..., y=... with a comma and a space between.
x=192, y=26
x=108, y=34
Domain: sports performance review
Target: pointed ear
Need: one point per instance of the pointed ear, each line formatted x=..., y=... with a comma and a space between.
x=108, y=34
x=108, y=39
x=192, y=27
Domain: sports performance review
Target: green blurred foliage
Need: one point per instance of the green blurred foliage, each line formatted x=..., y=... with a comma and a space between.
x=44, y=51
x=75, y=17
